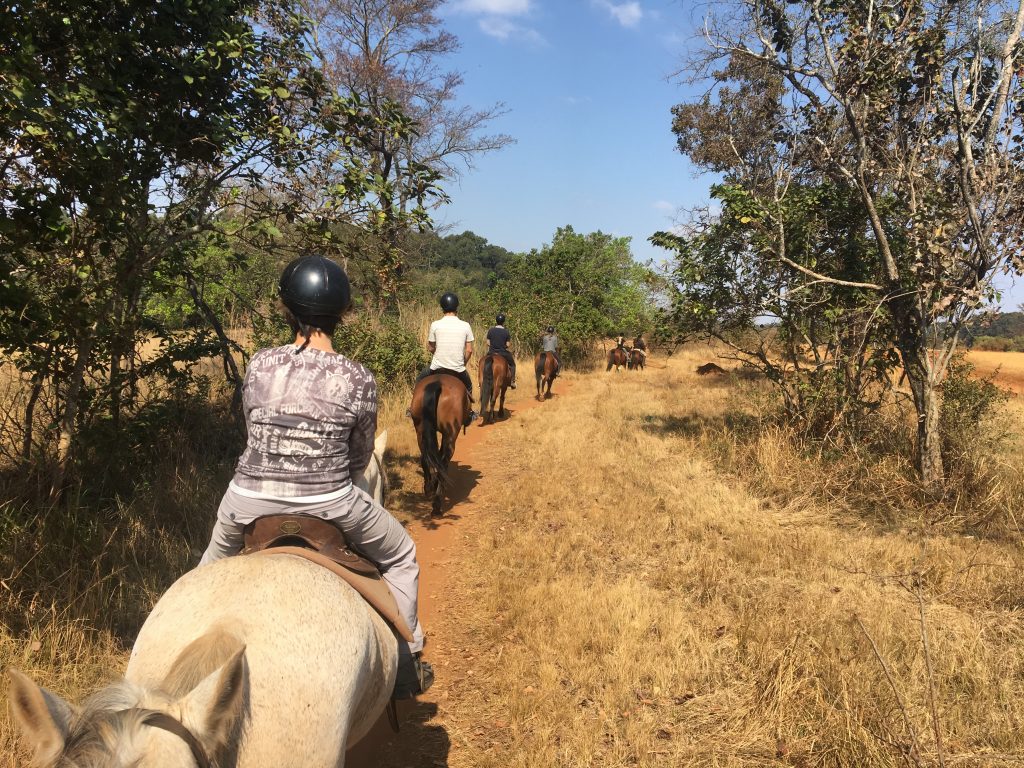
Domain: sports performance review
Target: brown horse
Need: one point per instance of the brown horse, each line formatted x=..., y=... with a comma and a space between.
x=636, y=360
x=440, y=403
x=545, y=365
x=616, y=357
x=495, y=379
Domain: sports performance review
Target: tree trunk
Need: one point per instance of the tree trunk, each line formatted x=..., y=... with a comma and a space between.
x=926, y=402
x=70, y=416
x=230, y=368
x=30, y=411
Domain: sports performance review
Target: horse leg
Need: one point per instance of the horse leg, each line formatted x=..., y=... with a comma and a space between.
x=501, y=407
x=447, y=450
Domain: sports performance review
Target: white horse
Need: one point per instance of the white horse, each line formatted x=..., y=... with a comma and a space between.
x=249, y=662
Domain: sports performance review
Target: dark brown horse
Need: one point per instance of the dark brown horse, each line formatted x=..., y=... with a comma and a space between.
x=495, y=379
x=636, y=360
x=545, y=365
x=440, y=404
x=616, y=357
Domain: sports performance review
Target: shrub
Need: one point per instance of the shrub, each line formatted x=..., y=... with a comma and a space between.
x=390, y=350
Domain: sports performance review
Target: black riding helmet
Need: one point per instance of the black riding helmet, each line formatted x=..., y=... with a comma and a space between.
x=551, y=329
x=314, y=287
x=449, y=302
x=500, y=319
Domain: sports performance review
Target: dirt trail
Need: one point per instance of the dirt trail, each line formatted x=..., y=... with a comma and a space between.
x=423, y=741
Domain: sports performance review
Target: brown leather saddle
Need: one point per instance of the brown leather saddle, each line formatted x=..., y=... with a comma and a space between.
x=323, y=543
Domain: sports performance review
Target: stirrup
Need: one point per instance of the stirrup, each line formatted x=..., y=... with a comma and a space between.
x=414, y=678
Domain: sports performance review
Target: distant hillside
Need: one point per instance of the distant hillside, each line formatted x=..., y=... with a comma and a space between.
x=465, y=263
x=1001, y=333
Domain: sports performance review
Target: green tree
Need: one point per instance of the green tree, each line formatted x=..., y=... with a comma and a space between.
x=137, y=137
x=916, y=109
x=389, y=52
x=588, y=286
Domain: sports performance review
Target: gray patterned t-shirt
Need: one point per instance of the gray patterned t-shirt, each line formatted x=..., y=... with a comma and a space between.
x=311, y=417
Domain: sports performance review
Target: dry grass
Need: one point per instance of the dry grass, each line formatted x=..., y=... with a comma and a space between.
x=624, y=601
x=640, y=607
x=1007, y=367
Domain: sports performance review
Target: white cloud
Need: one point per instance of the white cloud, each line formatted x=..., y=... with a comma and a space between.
x=577, y=100
x=497, y=18
x=494, y=7
x=664, y=205
x=504, y=29
x=627, y=14
x=495, y=26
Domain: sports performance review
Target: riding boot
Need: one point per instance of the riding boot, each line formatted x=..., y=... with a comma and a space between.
x=414, y=677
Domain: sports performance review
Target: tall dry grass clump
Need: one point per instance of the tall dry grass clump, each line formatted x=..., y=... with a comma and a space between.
x=871, y=475
x=642, y=607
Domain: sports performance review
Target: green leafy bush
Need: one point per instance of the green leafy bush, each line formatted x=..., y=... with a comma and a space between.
x=967, y=404
x=390, y=350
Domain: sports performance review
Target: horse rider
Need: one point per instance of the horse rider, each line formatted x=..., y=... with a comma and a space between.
x=620, y=343
x=497, y=344
x=640, y=344
x=311, y=415
x=450, y=342
x=549, y=343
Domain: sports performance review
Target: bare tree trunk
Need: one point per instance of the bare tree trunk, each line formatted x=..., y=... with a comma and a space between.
x=116, y=356
x=83, y=354
x=230, y=367
x=30, y=410
x=926, y=403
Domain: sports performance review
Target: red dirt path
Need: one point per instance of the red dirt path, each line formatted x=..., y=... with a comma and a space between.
x=423, y=742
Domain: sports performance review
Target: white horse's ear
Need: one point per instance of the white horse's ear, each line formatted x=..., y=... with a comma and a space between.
x=43, y=717
x=380, y=444
x=213, y=708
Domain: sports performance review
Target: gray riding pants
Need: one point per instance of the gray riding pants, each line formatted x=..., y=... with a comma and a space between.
x=369, y=528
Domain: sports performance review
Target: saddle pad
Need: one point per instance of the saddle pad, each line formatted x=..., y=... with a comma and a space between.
x=373, y=589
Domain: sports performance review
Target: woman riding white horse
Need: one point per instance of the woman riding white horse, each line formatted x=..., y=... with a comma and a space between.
x=264, y=661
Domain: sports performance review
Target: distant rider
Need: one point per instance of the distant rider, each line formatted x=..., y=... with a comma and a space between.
x=640, y=344
x=549, y=343
x=311, y=414
x=497, y=340
x=450, y=341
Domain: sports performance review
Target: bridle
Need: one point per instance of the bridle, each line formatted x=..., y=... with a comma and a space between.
x=165, y=722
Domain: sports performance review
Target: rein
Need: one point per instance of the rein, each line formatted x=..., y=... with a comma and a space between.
x=165, y=722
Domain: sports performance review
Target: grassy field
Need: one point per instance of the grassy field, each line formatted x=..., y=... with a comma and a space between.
x=623, y=595
x=1007, y=367
x=632, y=604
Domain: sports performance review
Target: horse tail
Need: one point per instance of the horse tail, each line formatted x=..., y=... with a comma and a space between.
x=611, y=358
x=429, y=446
x=540, y=364
x=487, y=384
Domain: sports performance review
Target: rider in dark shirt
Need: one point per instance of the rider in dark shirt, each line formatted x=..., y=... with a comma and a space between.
x=640, y=344
x=498, y=338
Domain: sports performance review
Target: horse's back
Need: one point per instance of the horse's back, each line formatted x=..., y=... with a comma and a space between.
x=320, y=663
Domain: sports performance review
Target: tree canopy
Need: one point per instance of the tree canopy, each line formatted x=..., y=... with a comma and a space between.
x=587, y=286
x=872, y=177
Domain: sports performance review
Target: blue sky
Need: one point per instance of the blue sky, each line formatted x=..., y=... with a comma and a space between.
x=588, y=91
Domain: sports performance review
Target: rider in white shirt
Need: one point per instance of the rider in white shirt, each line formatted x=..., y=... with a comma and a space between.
x=450, y=342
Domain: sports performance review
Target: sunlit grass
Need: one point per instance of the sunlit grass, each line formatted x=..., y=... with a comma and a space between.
x=642, y=607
